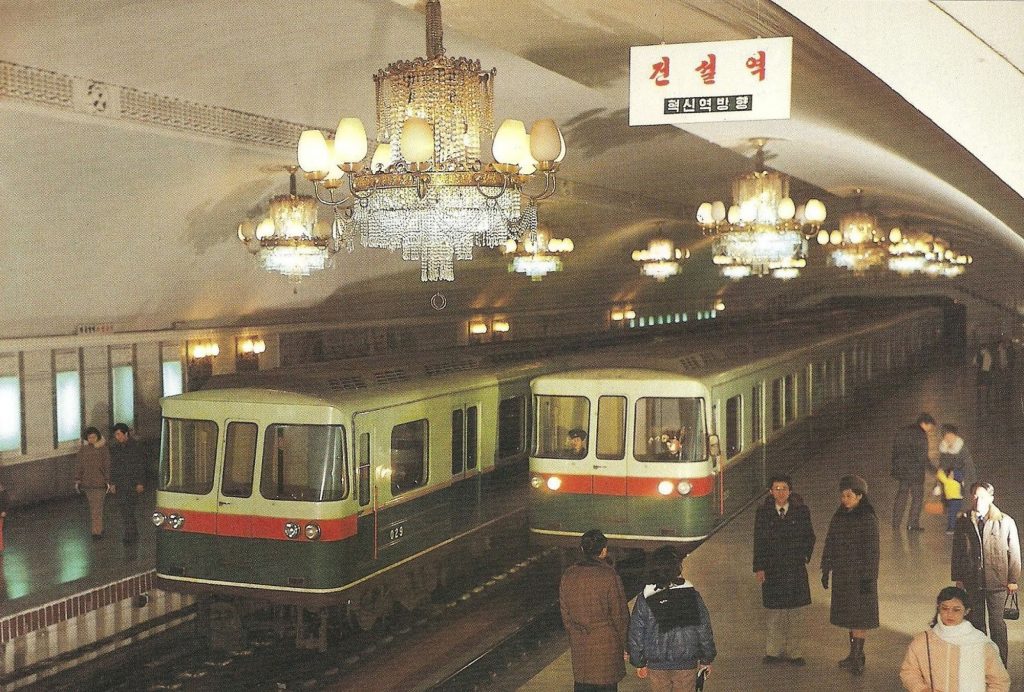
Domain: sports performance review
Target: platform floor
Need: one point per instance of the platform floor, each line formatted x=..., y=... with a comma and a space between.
x=914, y=566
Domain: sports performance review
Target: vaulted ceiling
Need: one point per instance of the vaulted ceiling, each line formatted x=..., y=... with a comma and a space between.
x=131, y=220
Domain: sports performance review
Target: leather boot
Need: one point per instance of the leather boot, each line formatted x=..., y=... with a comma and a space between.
x=858, y=652
x=848, y=661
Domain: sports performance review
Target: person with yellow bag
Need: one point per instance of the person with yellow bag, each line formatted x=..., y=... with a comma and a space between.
x=951, y=488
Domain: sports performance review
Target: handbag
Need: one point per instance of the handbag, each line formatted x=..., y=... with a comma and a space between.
x=1011, y=611
x=934, y=506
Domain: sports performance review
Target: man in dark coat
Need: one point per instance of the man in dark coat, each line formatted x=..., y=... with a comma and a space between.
x=783, y=543
x=128, y=471
x=596, y=616
x=909, y=463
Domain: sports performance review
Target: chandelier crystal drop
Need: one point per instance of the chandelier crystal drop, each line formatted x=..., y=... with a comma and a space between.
x=426, y=191
x=537, y=255
x=660, y=259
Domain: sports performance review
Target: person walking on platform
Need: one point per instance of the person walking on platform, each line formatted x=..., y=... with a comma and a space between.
x=92, y=477
x=952, y=656
x=783, y=543
x=952, y=489
x=670, y=637
x=985, y=561
x=128, y=470
x=909, y=464
x=595, y=614
x=953, y=454
x=983, y=361
x=851, y=558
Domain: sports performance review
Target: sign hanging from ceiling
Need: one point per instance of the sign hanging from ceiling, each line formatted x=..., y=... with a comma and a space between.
x=709, y=82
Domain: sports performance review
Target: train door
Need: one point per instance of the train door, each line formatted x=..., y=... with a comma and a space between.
x=366, y=517
x=235, y=497
x=610, y=469
x=465, y=448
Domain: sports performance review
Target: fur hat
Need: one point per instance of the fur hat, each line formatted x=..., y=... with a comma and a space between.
x=854, y=483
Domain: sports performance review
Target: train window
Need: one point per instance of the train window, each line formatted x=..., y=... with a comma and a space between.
x=557, y=417
x=458, y=436
x=188, y=452
x=611, y=427
x=471, y=437
x=733, y=426
x=778, y=392
x=669, y=429
x=790, y=394
x=409, y=445
x=364, y=469
x=239, y=459
x=304, y=463
x=756, y=426
x=511, y=414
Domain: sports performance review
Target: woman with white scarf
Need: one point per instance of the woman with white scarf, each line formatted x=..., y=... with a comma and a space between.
x=953, y=656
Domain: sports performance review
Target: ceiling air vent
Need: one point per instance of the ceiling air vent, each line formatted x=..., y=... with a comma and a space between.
x=694, y=361
x=390, y=376
x=448, y=368
x=347, y=383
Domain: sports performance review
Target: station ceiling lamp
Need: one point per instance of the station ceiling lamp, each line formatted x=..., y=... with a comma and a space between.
x=921, y=253
x=425, y=190
x=859, y=242
x=289, y=239
x=762, y=232
x=660, y=259
x=537, y=255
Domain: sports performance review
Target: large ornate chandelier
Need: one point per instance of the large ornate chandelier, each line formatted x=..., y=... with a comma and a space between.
x=920, y=253
x=537, y=255
x=289, y=240
x=859, y=242
x=660, y=259
x=426, y=191
x=763, y=231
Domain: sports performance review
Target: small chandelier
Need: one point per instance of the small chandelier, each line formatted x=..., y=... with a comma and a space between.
x=661, y=259
x=919, y=253
x=537, y=255
x=426, y=191
x=860, y=243
x=289, y=240
x=763, y=230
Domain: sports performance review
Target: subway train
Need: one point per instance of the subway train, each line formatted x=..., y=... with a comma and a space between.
x=687, y=434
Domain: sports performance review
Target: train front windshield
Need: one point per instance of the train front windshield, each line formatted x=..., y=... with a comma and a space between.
x=188, y=455
x=669, y=429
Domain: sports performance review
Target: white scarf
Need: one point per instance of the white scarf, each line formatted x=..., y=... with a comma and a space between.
x=954, y=448
x=971, y=643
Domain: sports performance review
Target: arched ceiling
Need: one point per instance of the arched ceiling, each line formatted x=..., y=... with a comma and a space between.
x=112, y=220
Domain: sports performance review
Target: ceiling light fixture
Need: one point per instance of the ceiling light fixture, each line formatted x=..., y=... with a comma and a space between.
x=426, y=191
x=537, y=255
x=860, y=243
x=661, y=259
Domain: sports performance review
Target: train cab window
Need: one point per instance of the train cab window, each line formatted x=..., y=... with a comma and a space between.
x=188, y=453
x=304, y=463
x=409, y=445
x=364, y=469
x=733, y=426
x=239, y=460
x=778, y=413
x=511, y=414
x=563, y=427
x=611, y=427
x=669, y=429
x=472, y=446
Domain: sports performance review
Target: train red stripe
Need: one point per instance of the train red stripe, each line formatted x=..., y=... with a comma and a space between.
x=244, y=525
x=625, y=486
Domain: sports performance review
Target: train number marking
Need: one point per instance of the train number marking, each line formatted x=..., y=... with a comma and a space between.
x=396, y=532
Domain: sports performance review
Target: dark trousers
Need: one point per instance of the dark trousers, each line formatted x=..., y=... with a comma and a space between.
x=952, y=509
x=914, y=489
x=590, y=687
x=990, y=600
x=129, y=502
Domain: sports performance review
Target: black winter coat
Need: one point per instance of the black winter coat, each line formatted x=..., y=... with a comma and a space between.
x=910, y=453
x=127, y=465
x=782, y=548
x=851, y=555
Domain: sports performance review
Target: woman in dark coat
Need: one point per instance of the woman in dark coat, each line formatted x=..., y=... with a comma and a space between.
x=851, y=557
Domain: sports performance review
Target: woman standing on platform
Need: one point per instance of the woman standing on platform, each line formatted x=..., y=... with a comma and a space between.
x=851, y=557
x=92, y=476
x=953, y=656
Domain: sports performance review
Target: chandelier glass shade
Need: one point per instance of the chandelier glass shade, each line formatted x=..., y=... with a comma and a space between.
x=537, y=255
x=426, y=191
x=289, y=239
x=660, y=259
x=859, y=243
x=763, y=229
x=919, y=253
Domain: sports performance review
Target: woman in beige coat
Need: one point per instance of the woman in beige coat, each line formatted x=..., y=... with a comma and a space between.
x=953, y=656
x=92, y=477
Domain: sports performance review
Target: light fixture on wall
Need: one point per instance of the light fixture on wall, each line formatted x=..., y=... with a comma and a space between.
x=661, y=258
x=247, y=357
x=537, y=255
x=426, y=191
x=289, y=239
x=859, y=242
x=763, y=229
x=200, y=362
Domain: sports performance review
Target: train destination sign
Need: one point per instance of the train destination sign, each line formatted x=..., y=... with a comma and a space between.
x=713, y=81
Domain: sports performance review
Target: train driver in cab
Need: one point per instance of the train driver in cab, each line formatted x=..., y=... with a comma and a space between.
x=576, y=444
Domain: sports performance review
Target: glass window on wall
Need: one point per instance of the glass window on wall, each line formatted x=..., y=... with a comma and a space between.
x=122, y=381
x=10, y=414
x=611, y=427
x=304, y=463
x=172, y=377
x=669, y=429
x=69, y=405
x=409, y=445
x=557, y=417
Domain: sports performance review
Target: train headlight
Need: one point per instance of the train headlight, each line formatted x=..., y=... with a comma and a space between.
x=554, y=483
x=158, y=519
x=537, y=481
x=665, y=487
x=684, y=487
x=312, y=532
x=176, y=521
x=292, y=530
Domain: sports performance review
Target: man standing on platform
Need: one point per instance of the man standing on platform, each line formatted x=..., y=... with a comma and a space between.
x=596, y=616
x=128, y=471
x=909, y=463
x=986, y=562
x=783, y=543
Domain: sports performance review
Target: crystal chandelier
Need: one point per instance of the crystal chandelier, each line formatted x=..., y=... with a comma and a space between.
x=537, y=255
x=763, y=230
x=289, y=240
x=426, y=191
x=661, y=259
x=859, y=243
x=920, y=253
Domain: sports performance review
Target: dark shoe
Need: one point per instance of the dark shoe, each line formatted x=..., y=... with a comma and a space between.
x=798, y=661
x=850, y=657
x=769, y=660
x=858, y=663
x=97, y=536
x=915, y=528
